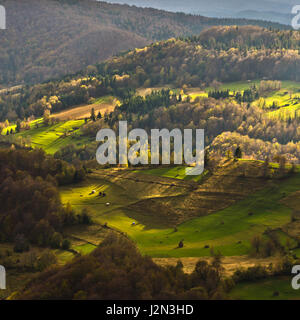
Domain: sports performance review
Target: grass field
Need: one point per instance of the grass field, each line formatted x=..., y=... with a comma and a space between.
x=228, y=231
x=13, y=126
x=286, y=99
x=85, y=248
x=52, y=138
x=176, y=173
x=265, y=289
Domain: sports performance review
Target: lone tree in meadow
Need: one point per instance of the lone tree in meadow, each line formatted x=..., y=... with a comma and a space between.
x=93, y=115
x=180, y=245
x=238, y=153
x=256, y=243
x=18, y=127
x=46, y=117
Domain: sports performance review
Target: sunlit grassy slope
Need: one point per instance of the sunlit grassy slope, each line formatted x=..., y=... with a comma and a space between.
x=229, y=230
x=176, y=173
x=13, y=126
x=52, y=138
x=287, y=99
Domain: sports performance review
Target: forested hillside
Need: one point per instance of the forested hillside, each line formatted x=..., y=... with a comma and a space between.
x=248, y=116
x=48, y=38
x=31, y=210
x=221, y=53
x=116, y=270
x=91, y=229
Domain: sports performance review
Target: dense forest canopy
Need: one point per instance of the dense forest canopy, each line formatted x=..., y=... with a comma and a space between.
x=224, y=38
x=46, y=39
x=31, y=210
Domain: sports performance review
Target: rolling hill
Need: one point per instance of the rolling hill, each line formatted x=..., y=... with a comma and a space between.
x=260, y=207
x=242, y=212
x=49, y=39
x=223, y=53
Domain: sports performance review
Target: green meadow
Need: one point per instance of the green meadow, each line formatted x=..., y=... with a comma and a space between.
x=32, y=125
x=228, y=231
x=287, y=99
x=52, y=138
x=275, y=288
x=85, y=248
x=104, y=99
x=175, y=172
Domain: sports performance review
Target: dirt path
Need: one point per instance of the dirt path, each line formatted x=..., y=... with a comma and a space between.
x=230, y=264
x=84, y=111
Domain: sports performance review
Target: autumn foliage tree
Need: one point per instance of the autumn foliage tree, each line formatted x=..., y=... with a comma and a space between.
x=31, y=209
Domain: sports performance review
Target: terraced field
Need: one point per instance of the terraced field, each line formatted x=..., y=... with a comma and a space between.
x=52, y=138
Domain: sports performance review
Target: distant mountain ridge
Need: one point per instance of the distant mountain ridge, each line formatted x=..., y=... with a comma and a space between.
x=270, y=10
x=284, y=18
x=46, y=39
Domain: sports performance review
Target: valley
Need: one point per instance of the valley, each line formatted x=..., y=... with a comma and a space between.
x=64, y=217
